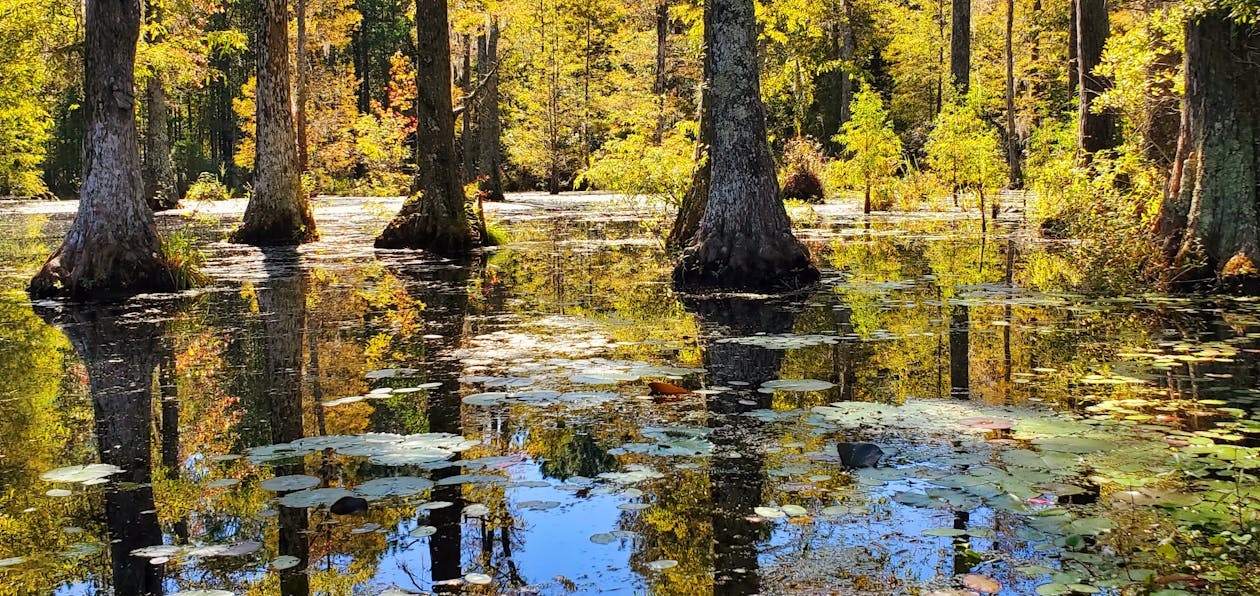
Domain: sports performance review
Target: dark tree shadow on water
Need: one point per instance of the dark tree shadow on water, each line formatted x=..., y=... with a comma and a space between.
x=282, y=307
x=736, y=483
x=443, y=287
x=120, y=351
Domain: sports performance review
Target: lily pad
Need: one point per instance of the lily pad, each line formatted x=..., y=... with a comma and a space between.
x=289, y=483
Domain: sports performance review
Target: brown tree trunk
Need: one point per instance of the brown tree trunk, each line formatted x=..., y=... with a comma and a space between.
x=468, y=139
x=278, y=213
x=836, y=87
x=1161, y=124
x=435, y=217
x=1012, y=136
x=160, y=189
x=302, y=88
x=745, y=238
x=960, y=46
x=112, y=247
x=659, y=84
x=691, y=210
x=1209, y=222
x=1073, y=78
x=1097, y=131
x=490, y=127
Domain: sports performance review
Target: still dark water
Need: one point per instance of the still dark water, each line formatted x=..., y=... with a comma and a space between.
x=494, y=412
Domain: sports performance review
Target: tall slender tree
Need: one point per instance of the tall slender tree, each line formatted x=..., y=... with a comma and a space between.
x=1210, y=222
x=960, y=46
x=1098, y=130
x=434, y=218
x=278, y=213
x=1012, y=135
x=112, y=247
x=489, y=123
x=745, y=238
x=160, y=189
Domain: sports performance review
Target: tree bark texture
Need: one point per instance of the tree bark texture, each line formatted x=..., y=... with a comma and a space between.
x=1097, y=131
x=278, y=212
x=489, y=125
x=745, y=239
x=836, y=87
x=469, y=146
x=960, y=46
x=161, y=192
x=1012, y=135
x=112, y=248
x=661, y=79
x=1210, y=222
x=434, y=218
x=303, y=86
x=692, y=207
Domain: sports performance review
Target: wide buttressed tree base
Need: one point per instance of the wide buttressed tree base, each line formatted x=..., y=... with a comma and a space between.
x=745, y=239
x=1210, y=220
x=278, y=213
x=435, y=218
x=112, y=248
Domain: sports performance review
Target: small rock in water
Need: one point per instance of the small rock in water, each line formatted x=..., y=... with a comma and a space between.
x=859, y=455
x=348, y=505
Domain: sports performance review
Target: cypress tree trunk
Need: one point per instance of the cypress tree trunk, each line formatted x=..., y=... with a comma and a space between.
x=1209, y=222
x=692, y=208
x=112, y=247
x=1073, y=78
x=302, y=87
x=745, y=239
x=1097, y=131
x=1012, y=136
x=659, y=83
x=490, y=128
x=434, y=218
x=468, y=139
x=836, y=87
x=278, y=213
x=960, y=46
x=160, y=189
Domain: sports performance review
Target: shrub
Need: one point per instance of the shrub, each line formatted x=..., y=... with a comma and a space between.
x=635, y=166
x=803, y=164
x=207, y=188
x=803, y=185
x=183, y=260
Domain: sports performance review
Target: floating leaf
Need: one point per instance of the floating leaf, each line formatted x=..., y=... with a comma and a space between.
x=769, y=512
x=982, y=583
x=283, y=562
x=289, y=483
x=947, y=532
x=86, y=473
x=662, y=564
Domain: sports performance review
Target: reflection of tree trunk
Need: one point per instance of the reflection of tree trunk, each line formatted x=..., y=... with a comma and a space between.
x=736, y=483
x=168, y=387
x=959, y=347
x=444, y=292
x=843, y=373
x=120, y=357
x=282, y=304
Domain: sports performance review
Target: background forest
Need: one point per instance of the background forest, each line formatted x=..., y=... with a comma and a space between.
x=602, y=93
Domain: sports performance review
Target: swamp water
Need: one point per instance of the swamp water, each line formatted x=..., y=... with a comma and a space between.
x=495, y=417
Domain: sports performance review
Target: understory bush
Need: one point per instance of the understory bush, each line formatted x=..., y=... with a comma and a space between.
x=634, y=165
x=1109, y=205
x=207, y=188
x=801, y=172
